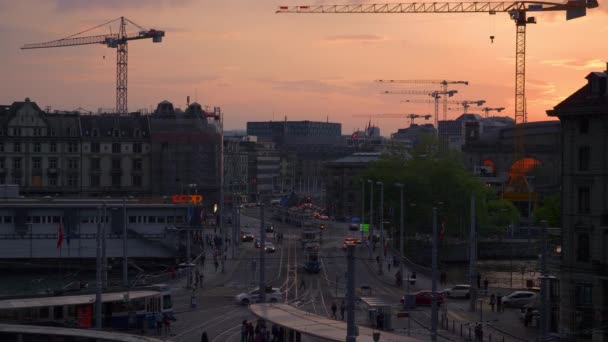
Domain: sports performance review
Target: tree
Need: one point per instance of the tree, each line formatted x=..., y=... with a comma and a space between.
x=549, y=211
x=501, y=214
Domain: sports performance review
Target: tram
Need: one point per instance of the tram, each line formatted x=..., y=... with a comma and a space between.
x=310, y=236
x=312, y=263
x=121, y=310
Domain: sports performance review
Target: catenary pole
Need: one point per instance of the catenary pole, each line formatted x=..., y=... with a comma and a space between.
x=350, y=296
x=434, y=308
x=104, y=257
x=125, y=261
x=98, y=304
x=381, y=268
x=262, y=255
x=473, y=258
x=401, y=235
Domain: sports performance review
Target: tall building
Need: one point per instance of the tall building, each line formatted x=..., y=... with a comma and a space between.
x=583, y=314
x=72, y=154
x=287, y=133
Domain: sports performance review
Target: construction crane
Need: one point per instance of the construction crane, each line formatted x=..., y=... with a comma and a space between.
x=517, y=10
x=465, y=103
x=412, y=117
x=116, y=41
x=443, y=83
x=485, y=110
x=434, y=93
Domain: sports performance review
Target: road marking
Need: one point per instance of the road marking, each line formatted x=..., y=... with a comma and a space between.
x=213, y=321
x=226, y=331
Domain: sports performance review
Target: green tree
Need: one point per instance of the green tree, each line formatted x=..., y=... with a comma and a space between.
x=549, y=211
x=501, y=213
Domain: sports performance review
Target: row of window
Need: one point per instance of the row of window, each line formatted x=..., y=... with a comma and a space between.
x=72, y=147
x=72, y=164
x=71, y=132
x=72, y=180
x=44, y=219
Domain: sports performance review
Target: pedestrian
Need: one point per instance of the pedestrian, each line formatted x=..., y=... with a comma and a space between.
x=443, y=278
x=498, y=302
x=275, y=333
x=342, y=309
x=485, y=286
x=492, y=301
x=334, y=308
x=250, y=332
x=244, y=331
x=380, y=321
x=479, y=280
x=302, y=284
x=478, y=333
x=216, y=264
x=167, y=324
x=203, y=260
x=159, y=324
x=388, y=263
x=201, y=277
x=378, y=260
x=204, y=337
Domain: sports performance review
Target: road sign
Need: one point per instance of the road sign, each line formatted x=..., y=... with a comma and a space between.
x=364, y=227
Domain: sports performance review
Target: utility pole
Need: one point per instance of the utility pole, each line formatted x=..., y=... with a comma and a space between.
x=262, y=256
x=98, y=301
x=472, y=258
x=434, y=308
x=544, y=287
x=351, y=329
x=401, y=235
x=371, y=212
x=104, y=257
x=381, y=266
x=125, y=261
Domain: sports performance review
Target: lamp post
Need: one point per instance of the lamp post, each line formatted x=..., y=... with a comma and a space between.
x=400, y=186
x=381, y=266
x=363, y=215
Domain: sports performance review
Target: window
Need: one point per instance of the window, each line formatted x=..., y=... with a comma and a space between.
x=583, y=127
x=95, y=132
x=38, y=131
x=95, y=164
x=582, y=248
x=17, y=147
x=1, y=163
x=72, y=147
x=72, y=164
x=95, y=147
x=95, y=180
x=137, y=148
x=16, y=131
x=136, y=180
x=115, y=180
x=36, y=219
x=584, y=200
x=583, y=158
x=37, y=147
x=583, y=295
x=1, y=147
x=116, y=163
x=52, y=163
x=8, y=219
x=72, y=180
x=58, y=313
x=116, y=148
x=132, y=219
x=36, y=163
x=116, y=133
x=53, y=147
x=52, y=180
x=17, y=163
x=137, y=164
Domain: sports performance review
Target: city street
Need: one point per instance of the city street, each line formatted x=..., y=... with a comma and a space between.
x=220, y=315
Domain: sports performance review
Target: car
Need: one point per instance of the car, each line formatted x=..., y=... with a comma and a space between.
x=270, y=228
x=353, y=227
x=519, y=298
x=426, y=297
x=322, y=226
x=246, y=236
x=349, y=241
x=459, y=291
x=269, y=247
x=273, y=295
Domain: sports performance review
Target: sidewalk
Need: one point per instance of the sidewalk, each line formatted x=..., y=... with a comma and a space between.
x=505, y=324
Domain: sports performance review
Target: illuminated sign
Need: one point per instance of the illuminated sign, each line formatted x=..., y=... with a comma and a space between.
x=187, y=199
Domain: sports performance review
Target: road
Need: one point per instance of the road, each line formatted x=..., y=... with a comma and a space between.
x=220, y=316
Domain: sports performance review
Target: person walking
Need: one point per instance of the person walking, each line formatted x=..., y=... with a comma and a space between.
x=244, y=331
x=201, y=277
x=492, y=301
x=334, y=308
x=342, y=309
x=216, y=264
x=485, y=286
x=250, y=332
x=498, y=302
x=167, y=324
x=378, y=260
x=479, y=280
x=478, y=333
x=159, y=323
x=388, y=263
x=204, y=337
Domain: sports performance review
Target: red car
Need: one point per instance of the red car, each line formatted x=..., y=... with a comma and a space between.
x=426, y=297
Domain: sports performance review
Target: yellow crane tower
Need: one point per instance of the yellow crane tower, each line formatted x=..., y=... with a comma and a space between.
x=443, y=83
x=517, y=10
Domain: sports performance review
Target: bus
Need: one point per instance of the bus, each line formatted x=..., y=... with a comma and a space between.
x=122, y=310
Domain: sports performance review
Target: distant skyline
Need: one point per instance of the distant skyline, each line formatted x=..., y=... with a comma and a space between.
x=257, y=65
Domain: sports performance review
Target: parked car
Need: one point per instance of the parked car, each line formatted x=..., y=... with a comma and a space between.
x=273, y=295
x=349, y=241
x=353, y=227
x=269, y=247
x=519, y=298
x=459, y=291
x=426, y=297
x=246, y=236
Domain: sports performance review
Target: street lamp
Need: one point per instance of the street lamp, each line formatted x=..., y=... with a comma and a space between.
x=400, y=186
x=381, y=268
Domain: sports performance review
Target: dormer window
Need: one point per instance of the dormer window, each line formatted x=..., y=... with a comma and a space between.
x=116, y=133
x=137, y=133
x=95, y=132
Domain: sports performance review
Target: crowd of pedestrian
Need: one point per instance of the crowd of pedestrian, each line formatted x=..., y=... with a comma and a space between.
x=261, y=333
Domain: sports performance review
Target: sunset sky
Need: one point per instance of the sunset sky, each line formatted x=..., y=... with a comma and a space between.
x=258, y=65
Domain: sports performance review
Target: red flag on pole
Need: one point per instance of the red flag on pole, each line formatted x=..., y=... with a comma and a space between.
x=59, y=237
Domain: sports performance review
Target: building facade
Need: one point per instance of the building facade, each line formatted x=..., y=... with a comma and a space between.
x=285, y=133
x=583, y=283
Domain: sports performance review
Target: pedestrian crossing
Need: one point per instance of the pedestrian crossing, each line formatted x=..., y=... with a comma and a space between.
x=218, y=292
